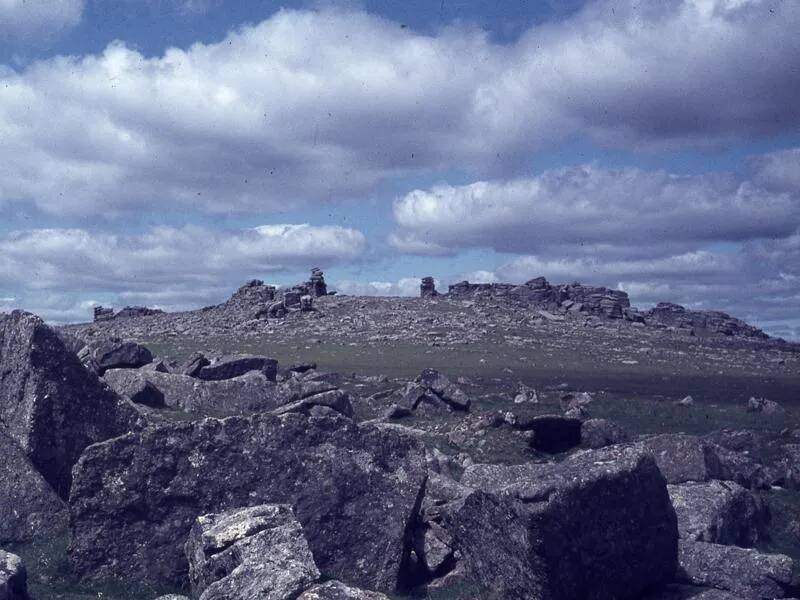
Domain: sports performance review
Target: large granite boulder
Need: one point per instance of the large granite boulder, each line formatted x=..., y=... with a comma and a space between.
x=355, y=489
x=29, y=507
x=49, y=404
x=721, y=512
x=13, y=577
x=101, y=355
x=597, y=525
x=229, y=367
x=256, y=552
x=748, y=573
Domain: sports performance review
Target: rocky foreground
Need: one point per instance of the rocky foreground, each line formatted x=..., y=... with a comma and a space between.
x=234, y=475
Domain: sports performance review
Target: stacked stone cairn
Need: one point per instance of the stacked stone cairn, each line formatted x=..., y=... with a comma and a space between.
x=427, y=289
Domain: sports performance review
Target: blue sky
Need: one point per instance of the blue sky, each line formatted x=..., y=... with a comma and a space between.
x=162, y=151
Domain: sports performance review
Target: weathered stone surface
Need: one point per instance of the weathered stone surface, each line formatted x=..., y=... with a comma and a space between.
x=13, y=577
x=764, y=405
x=193, y=364
x=746, y=572
x=134, y=386
x=102, y=355
x=685, y=592
x=256, y=552
x=598, y=433
x=50, y=405
x=427, y=288
x=355, y=490
x=173, y=597
x=336, y=590
x=233, y=366
x=721, y=512
x=29, y=507
x=554, y=433
x=699, y=322
x=598, y=525
x=336, y=400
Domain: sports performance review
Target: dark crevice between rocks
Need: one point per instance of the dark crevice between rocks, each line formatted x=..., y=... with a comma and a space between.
x=412, y=573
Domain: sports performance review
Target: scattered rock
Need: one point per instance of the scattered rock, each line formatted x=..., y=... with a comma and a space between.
x=50, y=404
x=449, y=393
x=748, y=573
x=686, y=401
x=13, y=577
x=256, y=552
x=354, y=489
x=194, y=363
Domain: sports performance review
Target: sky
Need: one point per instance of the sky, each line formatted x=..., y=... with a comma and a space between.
x=162, y=152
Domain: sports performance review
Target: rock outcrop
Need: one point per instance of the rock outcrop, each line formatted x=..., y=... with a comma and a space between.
x=101, y=355
x=427, y=288
x=232, y=366
x=50, y=405
x=667, y=314
x=256, y=552
x=356, y=491
x=29, y=507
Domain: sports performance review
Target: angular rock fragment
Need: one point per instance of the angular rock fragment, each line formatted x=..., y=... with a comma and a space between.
x=746, y=572
x=763, y=405
x=256, y=552
x=193, y=364
x=598, y=525
x=49, y=403
x=356, y=491
x=336, y=590
x=233, y=366
x=13, y=577
x=134, y=386
x=452, y=395
x=721, y=512
x=29, y=507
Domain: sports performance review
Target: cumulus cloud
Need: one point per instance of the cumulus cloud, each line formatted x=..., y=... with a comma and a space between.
x=42, y=17
x=323, y=105
x=167, y=267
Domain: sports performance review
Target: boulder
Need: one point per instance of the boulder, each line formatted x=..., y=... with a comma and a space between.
x=193, y=364
x=598, y=433
x=134, y=386
x=29, y=507
x=684, y=458
x=173, y=597
x=102, y=355
x=355, y=490
x=233, y=366
x=554, y=433
x=336, y=590
x=13, y=577
x=444, y=389
x=256, y=552
x=50, y=405
x=597, y=525
x=748, y=573
x=427, y=288
x=337, y=400
x=721, y=512
x=248, y=393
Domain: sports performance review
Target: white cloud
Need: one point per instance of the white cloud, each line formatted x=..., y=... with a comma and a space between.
x=593, y=211
x=167, y=267
x=323, y=105
x=41, y=17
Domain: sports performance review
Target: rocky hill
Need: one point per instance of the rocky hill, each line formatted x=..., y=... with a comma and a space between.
x=497, y=441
